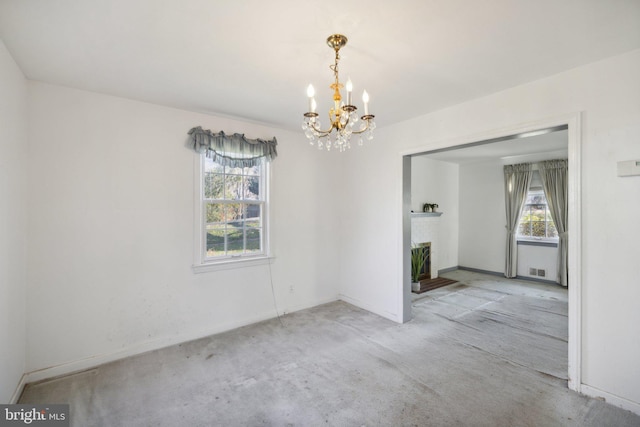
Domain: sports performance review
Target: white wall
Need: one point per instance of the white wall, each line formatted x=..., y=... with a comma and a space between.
x=111, y=231
x=607, y=93
x=13, y=225
x=434, y=181
x=482, y=217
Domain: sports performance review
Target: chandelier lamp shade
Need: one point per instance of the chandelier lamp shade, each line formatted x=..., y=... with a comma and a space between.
x=343, y=117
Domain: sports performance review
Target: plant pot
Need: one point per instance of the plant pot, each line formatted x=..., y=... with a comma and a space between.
x=415, y=286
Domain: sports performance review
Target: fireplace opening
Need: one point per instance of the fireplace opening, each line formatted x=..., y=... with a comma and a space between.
x=425, y=249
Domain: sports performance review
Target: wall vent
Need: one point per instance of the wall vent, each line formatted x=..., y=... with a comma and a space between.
x=533, y=271
x=541, y=272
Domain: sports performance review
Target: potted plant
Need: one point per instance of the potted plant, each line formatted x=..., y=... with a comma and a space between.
x=417, y=264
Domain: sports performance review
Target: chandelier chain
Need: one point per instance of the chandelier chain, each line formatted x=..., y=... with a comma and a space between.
x=334, y=67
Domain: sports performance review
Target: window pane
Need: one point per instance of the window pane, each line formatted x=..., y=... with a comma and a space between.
x=235, y=238
x=233, y=187
x=213, y=185
x=234, y=213
x=254, y=239
x=253, y=212
x=538, y=212
x=224, y=212
x=524, y=228
x=215, y=240
x=214, y=213
x=537, y=229
x=252, y=188
x=551, y=230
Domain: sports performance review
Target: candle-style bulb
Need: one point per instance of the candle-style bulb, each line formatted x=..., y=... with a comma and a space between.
x=349, y=90
x=310, y=93
x=365, y=99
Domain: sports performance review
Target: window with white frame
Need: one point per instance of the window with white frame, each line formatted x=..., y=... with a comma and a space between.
x=231, y=198
x=535, y=222
x=233, y=211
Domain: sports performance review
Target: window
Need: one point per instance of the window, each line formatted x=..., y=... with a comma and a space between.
x=535, y=221
x=232, y=211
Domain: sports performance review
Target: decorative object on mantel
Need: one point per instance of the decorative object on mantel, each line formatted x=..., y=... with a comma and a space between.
x=235, y=150
x=342, y=117
x=429, y=207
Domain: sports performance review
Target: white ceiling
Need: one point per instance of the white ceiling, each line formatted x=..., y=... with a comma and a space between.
x=253, y=59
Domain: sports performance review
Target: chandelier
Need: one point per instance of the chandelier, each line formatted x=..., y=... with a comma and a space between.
x=343, y=117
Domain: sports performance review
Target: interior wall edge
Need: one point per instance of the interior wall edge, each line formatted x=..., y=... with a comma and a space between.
x=479, y=270
x=19, y=388
x=365, y=306
x=92, y=362
x=618, y=401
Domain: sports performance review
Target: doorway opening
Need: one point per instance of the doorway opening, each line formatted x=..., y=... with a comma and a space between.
x=509, y=147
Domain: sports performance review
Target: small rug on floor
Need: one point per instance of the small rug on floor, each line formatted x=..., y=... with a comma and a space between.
x=428, y=285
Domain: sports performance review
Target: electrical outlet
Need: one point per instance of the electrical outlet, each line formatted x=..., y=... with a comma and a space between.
x=533, y=271
x=541, y=272
x=291, y=289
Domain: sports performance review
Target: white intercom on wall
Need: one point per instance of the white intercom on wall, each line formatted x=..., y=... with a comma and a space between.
x=629, y=168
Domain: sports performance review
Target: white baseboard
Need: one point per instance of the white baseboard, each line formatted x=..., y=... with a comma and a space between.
x=618, y=401
x=370, y=308
x=133, y=350
x=144, y=347
x=303, y=306
x=18, y=392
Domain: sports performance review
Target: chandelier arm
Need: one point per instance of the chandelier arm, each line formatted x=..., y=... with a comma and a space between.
x=320, y=131
x=366, y=128
x=363, y=130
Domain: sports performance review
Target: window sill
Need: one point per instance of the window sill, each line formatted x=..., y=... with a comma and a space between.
x=229, y=264
x=538, y=242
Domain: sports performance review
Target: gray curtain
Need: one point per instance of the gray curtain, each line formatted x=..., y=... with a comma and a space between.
x=553, y=174
x=516, y=186
x=234, y=150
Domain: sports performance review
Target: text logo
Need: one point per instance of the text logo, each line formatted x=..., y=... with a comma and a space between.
x=55, y=415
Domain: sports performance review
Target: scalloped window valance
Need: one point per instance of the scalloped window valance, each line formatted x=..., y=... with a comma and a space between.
x=235, y=150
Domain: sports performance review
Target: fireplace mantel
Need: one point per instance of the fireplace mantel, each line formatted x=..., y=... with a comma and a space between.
x=425, y=214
